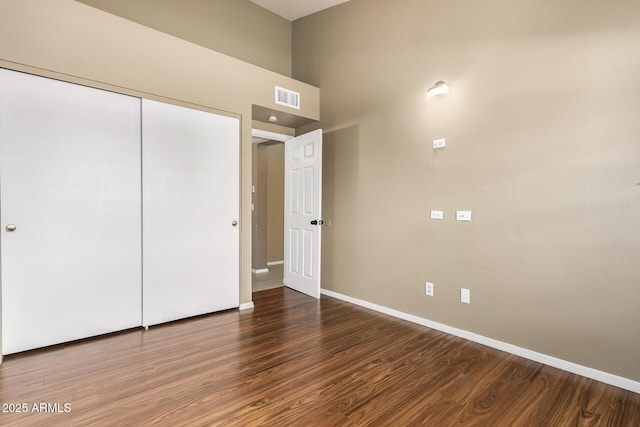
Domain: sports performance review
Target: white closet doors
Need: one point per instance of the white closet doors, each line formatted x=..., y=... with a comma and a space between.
x=90, y=242
x=70, y=185
x=190, y=168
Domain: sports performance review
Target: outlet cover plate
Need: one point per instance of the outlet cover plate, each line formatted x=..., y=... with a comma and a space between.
x=437, y=215
x=428, y=289
x=465, y=296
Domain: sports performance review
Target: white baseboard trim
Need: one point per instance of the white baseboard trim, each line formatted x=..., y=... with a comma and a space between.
x=584, y=371
x=275, y=263
x=246, y=305
x=260, y=270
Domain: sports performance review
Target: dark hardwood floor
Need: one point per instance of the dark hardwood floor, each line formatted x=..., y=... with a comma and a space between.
x=293, y=360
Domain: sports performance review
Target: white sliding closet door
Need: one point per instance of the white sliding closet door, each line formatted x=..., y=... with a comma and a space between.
x=190, y=197
x=69, y=211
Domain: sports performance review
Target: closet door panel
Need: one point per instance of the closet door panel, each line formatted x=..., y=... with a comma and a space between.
x=70, y=183
x=190, y=200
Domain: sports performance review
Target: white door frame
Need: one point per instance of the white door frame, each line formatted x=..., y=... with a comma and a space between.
x=269, y=136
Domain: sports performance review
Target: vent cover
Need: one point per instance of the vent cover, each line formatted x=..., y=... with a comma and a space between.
x=287, y=97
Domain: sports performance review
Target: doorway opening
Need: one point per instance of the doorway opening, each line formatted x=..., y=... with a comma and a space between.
x=267, y=207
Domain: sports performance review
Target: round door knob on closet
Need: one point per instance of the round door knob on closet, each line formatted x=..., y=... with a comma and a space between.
x=234, y=223
x=10, y=228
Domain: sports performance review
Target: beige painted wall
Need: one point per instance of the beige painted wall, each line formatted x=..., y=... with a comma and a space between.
x=78, y=43
x=275, y=202
x=237, y=28
x=543, y=145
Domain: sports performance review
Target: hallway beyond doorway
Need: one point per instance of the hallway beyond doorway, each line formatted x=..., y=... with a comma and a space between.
x=270, y=280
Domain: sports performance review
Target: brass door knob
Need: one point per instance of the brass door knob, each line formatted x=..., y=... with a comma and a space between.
x=234, y=223
x=10, y=228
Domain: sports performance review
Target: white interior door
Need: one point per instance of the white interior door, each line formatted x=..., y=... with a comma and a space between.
x=70, y=211
x=190, y=164
x=303, y=212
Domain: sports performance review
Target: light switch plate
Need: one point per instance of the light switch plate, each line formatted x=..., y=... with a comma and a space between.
x=463, y=215
x=437, y=215
x=439, y=143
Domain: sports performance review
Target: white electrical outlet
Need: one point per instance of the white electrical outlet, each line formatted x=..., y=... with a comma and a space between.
x=428, y=288
x=463, y=215
x=465, y=296
x=439, y=143
x=437, y=214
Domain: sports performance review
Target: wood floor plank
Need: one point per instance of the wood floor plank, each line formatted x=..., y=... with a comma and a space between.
x=296, y=361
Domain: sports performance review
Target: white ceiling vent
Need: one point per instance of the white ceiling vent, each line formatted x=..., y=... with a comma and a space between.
x=287, y=97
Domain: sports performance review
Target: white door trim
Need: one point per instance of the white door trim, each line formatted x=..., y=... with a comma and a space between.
x=269, y=136
x=259, y=136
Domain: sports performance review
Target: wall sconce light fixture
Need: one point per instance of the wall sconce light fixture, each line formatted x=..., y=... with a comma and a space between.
x=273, y=118
x=438, y=89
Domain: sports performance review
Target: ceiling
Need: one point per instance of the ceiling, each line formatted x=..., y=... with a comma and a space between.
x=294, y=9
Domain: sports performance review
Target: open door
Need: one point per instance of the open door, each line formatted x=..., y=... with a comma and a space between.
x=303, y=212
